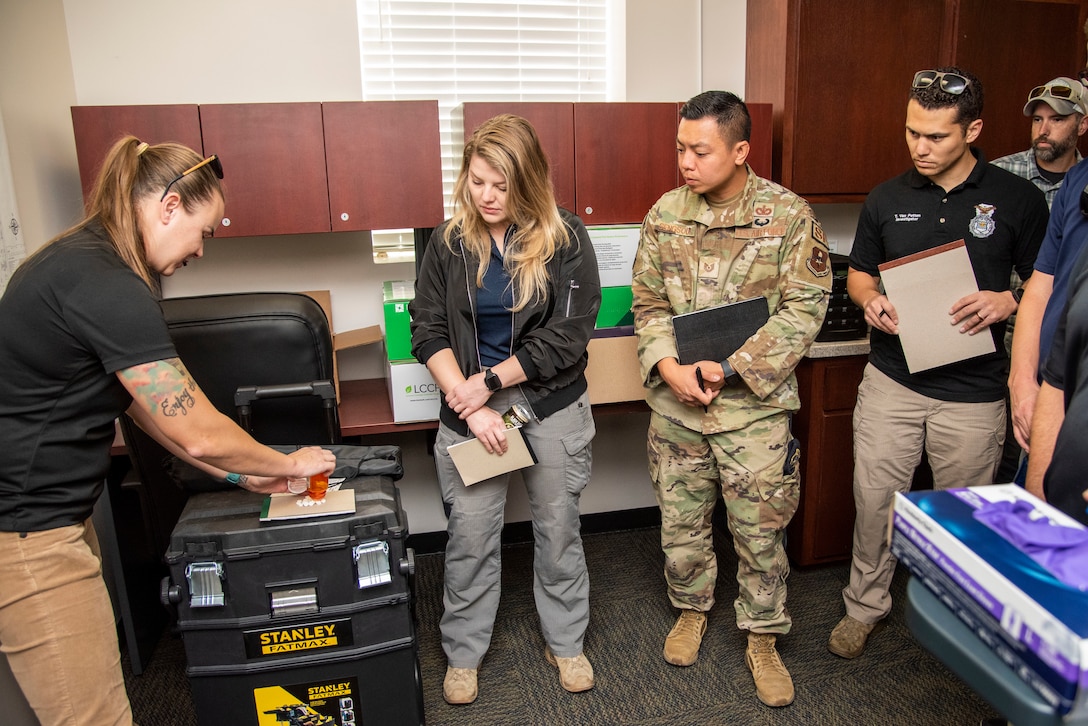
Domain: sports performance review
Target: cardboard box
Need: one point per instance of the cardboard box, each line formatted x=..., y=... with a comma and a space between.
x=1035, y=623
x=396, y=294
x=348, y=339
x=613, y=372
x=615, y=307
x=413, y=393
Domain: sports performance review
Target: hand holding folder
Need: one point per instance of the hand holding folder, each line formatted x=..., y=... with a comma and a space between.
x=475, y=464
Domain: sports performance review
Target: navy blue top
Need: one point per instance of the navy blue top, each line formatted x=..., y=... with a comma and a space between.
x=494, y=319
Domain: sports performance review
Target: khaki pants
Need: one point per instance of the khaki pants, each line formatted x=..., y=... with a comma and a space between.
x=892, y=425
x=57, y=627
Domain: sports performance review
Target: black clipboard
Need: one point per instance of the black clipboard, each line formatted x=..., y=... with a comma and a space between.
x=716, y=333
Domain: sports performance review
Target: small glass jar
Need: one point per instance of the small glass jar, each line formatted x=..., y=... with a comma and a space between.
x=516, y=416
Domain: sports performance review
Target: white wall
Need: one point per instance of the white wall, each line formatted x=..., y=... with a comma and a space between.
x=59, y=53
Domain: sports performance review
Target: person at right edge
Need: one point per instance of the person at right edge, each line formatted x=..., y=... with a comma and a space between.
x=727, y=235
x=955, y=412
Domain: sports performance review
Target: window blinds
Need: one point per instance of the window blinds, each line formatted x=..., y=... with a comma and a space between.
x=473, y=50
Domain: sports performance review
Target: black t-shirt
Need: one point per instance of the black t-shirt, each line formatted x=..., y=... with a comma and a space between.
x=1001, y=217
x=71, y=318
x=1067, y=369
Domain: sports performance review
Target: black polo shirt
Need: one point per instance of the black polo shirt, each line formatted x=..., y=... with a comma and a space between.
x=1001, y=217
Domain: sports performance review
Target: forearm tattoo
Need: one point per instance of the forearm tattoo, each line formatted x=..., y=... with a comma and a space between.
x=163, y=387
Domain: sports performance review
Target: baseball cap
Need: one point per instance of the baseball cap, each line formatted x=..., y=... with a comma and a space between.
x=1064, y=95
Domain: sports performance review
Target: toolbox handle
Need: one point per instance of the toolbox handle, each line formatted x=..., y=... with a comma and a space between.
x=244, y=397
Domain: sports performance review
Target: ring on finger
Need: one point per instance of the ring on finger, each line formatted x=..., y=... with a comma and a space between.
x=980, y=316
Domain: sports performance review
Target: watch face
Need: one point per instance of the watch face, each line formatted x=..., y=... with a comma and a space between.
x=491, y=380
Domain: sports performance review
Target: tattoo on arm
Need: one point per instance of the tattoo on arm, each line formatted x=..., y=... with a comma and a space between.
x=163, y=387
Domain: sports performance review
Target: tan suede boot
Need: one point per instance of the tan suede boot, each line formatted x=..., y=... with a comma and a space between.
x=682, y=642
x=459, y=686
x=773, y=683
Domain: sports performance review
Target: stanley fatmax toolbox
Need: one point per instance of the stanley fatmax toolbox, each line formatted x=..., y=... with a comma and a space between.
x=303, y=621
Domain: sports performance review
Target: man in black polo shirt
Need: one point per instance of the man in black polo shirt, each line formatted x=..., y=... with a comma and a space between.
x=955, y=412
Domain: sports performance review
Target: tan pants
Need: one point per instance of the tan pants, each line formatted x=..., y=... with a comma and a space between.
x=892, y=425
x=57, y=627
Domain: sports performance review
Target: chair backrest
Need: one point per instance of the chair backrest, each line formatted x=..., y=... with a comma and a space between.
x=234, y=340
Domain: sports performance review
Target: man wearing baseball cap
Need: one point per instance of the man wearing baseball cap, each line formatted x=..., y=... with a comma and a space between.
x=1047, y=290
x=1059, y=117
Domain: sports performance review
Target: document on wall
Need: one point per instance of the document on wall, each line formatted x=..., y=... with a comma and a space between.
x=923, y=288
x=475, y=464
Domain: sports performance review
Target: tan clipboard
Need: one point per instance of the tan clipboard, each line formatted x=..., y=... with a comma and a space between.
x=475, y=464
x=923, y=288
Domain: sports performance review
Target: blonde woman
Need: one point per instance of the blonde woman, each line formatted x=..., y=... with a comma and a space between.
x=506, y=299
x=82, y=341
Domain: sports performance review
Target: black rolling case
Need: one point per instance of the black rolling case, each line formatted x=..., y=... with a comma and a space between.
x=299, y=621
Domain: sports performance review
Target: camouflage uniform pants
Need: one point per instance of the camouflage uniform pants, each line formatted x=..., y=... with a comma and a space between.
x=755, y=469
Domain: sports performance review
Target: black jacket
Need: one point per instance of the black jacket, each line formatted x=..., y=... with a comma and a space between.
x=550, y=337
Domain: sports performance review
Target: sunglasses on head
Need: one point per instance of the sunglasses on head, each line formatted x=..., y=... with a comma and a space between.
x=212, y=162
x=1054, y=91
x=952, y=83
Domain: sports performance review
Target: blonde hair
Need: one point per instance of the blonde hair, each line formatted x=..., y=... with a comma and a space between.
x=131, y=171
x=510, y=145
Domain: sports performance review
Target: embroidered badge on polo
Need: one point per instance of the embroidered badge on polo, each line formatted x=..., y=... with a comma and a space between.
x=983, y=224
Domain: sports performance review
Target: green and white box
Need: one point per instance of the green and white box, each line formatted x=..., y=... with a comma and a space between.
x=396, y=294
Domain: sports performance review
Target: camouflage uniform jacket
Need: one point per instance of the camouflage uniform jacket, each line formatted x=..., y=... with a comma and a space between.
x=768, y=243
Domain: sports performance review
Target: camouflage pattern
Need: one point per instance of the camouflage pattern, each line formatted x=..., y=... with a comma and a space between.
x=768, y=243
x=757, y=471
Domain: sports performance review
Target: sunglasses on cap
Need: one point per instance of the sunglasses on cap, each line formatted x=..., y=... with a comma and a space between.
x=952, y=83
x=1054, y=91
x=212, y=162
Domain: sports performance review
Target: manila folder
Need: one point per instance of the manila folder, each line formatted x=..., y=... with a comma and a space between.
x=923, y=288
x=475, y=464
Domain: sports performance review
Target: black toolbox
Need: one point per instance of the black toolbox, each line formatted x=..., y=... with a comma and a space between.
x=298, y=621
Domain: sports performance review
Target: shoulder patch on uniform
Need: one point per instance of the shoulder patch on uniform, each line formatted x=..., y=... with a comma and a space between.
x=819, y=261
x=756, y=232
x=818, y=234
x=682, y=229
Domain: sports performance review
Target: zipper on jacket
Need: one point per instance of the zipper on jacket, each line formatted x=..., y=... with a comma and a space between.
x=570, y=295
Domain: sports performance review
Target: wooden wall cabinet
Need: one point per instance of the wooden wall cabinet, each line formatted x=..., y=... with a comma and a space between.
x=838, y=73
x=622, y=153
x=97, y=129
x=554, y=124
x=274, y=167
x=384, y=164
x=610, y=161
x=822, y=530
x=292, y=168
x=625, y=159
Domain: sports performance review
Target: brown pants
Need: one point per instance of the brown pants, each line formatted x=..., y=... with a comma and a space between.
x=57, y=627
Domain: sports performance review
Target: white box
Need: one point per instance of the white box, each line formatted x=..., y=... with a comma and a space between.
x=413, y=394
x=1035, y=623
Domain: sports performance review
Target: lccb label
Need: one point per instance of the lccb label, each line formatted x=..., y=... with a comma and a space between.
x=285, y=641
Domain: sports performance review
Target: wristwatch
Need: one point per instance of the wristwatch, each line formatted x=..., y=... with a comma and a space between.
x=729, y=376
x=491, y=380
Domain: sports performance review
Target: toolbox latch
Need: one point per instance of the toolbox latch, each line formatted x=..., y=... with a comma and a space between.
x=372, y=564
x=296, y=601
x=205, y=584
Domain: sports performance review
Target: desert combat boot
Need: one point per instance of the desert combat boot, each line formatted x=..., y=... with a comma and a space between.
x=682, y=642
x=773, y=683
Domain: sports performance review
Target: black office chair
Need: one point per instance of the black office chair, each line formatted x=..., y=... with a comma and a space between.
x=266, y=360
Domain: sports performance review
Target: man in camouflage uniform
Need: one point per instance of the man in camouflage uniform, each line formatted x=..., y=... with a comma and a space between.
x=727, y=235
